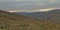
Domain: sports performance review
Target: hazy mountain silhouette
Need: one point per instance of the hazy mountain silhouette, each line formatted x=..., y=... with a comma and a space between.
x=53, y=14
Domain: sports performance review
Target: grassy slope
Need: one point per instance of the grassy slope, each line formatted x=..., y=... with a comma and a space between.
x=10, y=21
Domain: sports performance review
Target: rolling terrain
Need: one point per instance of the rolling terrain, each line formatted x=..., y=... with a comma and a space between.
x=12, y=21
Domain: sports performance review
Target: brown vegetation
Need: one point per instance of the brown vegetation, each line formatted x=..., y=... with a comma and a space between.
x=10, y=21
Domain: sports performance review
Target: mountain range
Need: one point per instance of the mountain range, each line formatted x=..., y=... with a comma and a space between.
x=51, y=15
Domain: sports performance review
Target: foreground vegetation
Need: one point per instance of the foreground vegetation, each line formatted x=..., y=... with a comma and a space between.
x=10, y=21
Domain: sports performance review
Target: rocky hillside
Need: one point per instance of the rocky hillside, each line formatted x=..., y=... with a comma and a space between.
x=11, y=21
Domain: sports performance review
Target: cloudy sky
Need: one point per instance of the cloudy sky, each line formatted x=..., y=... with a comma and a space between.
x=28, y=4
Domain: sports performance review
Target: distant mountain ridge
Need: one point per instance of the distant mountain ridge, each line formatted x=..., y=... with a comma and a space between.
x=43, y=15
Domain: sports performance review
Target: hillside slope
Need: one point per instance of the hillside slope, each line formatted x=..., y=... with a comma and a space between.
x=10, y=21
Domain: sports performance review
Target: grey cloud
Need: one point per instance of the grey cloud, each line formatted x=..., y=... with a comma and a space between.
x=28, y=4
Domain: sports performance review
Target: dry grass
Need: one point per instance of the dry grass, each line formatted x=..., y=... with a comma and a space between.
x=10, y=21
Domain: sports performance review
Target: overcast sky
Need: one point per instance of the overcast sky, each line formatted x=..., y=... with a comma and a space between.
x=28, y=4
